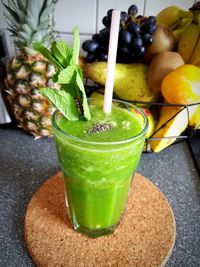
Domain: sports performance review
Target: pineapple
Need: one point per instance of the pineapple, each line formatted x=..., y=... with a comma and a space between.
x=30, y=21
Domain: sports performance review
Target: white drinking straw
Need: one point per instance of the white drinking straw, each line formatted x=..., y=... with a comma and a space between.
x=112, y=53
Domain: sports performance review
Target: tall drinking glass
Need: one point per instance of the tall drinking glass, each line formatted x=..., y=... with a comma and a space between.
x=98, y=165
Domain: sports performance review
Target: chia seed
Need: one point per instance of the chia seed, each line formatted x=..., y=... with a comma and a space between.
x=99, y=127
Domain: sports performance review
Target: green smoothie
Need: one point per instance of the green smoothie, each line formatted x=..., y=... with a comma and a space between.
x=98, y=159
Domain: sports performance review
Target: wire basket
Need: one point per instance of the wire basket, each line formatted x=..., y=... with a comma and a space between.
x=155, y=106
x=187, y=134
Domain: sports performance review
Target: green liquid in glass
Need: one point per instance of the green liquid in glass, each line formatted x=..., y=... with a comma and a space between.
x=98, y=167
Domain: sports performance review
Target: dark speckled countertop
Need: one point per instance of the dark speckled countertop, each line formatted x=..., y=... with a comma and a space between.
x=25, y=164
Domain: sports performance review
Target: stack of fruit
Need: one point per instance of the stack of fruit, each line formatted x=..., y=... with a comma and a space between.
x=158, y=60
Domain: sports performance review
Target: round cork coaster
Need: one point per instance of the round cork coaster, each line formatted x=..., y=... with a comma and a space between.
x=144, y=237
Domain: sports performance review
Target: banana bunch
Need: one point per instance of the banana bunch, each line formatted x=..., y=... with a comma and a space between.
x=176, y=19
x=185, y=26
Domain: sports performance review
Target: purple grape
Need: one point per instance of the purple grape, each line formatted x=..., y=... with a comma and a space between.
x=91, y=46
x=106, y=21
x=133, y=10
x=147, y=39
x=109, y=13
x=103, y=56
x=152, y=19
x=137, y=42
x=125, y=38
x=148, y=27
x=133, y=28
x=86, y=45
x=96, y=37
x=139, y=51
x=90, y=57
x=105, y=35
x=123, y=17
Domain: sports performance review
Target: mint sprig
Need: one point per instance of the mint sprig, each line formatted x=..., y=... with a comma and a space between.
x=71, y=98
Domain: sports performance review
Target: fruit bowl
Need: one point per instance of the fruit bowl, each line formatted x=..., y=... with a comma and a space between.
x=177, y=123
x=160, y=73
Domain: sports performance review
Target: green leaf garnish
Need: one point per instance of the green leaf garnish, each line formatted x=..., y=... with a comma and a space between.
x=76, y=46
x=63, y=101
x=67, y=75
x=62, y=52
x=86, y=110
x=45, y=52
x=71, y=99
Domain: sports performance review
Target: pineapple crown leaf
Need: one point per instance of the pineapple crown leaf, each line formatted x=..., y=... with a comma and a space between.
x=30, y=21
x=11, y=13
x=35, y=7
x=21, y=5
x=47, y=13
x=26, y=28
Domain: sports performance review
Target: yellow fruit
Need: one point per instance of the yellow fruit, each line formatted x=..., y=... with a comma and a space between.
x=171, y=123
x=188, y=41
x=195, y=118
x=169, y=16
x=130, y=80
x=151, y=121
x=182, y=85
x=177, y=32
x=172, y=16
x=195, y=58
x=96, y=98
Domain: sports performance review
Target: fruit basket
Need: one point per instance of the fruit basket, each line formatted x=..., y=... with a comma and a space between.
x=158, y=69
x=161, y=135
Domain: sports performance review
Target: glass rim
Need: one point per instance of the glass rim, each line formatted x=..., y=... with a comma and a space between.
x=71, y=137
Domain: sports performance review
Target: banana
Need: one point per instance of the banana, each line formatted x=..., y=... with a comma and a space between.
x=195, y=118
x=195, y=9
x=130, y=80
x=188, y=41
x=171, y=16
x=177, y=32
x=171, y=123
x=195, y=58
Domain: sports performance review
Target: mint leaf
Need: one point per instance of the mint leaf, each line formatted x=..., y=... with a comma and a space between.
x=67, y=75
x=86, y=111
x=71, y=99
x=45, y=52
x=63, y=101
x=71, y=76
x=76, y=46
x=62, y=52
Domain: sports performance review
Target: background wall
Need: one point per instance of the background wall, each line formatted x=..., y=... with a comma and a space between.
x=88, y=14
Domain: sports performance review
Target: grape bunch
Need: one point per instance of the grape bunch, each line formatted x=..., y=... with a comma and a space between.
x=135, y=34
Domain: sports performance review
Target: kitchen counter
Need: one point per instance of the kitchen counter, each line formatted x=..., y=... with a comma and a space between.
x=26, y=163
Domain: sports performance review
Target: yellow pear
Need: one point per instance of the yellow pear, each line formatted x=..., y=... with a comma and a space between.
x=130, y=80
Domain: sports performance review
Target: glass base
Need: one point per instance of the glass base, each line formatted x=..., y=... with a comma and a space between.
x=94, y=233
